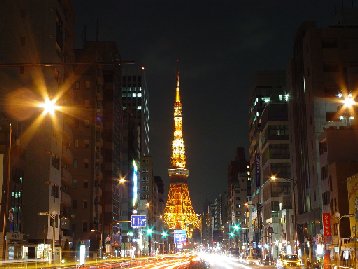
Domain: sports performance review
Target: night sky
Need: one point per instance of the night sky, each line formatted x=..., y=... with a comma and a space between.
x=221, y=45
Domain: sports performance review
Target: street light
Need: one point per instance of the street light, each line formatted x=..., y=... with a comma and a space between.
x=339, y=217
x=49, y=106
x=122, y=180
x=53, y=217
x=293, y=185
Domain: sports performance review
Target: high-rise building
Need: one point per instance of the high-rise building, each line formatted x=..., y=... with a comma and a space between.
x=269, y=156
x=238, y=181
x=321, y=71
x=137, y=193
x=96, y=143
x=35, y=33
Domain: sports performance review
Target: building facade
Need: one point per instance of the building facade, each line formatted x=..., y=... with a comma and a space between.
x=27, y=47
x=321, y=70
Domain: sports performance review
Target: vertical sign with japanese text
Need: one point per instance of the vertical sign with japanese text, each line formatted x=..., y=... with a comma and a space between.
x=326, y=218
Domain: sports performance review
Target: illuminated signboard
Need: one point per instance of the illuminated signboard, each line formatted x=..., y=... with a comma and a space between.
x=138, y=221
x=179, y=236
x=135, y=184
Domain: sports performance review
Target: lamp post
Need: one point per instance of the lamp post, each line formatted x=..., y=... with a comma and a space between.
x=339, y=217
x=293, y=186
x=53, y=216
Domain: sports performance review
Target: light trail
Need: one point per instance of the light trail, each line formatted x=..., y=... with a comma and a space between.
x=222, y=261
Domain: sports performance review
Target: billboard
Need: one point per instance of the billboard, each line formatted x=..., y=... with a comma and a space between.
x=179, y=236
x=326, y=218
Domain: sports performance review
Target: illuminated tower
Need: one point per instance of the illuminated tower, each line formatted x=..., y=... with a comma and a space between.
x=179, y=212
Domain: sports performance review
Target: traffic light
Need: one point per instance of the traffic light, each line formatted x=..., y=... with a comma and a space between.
x=130, y=233
x=231, y=234
x=164, y=234
x=237, y=227
x=149, y=231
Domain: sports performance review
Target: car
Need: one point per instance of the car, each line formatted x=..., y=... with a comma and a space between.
x=251, y=260
x=267, y=261
x=288, y=261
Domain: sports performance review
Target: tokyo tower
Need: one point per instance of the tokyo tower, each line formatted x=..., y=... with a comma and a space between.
x=179, y=213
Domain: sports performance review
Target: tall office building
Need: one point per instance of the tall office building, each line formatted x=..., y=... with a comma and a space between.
x=269, y=156
x=322, y=70
x=36, y=32
x=238, y=180
x=137, y=191
x=96, y=143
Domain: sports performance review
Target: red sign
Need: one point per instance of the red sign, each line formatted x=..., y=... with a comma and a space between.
x=326, y=217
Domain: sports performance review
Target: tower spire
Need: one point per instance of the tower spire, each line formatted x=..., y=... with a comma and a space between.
x=177, y=94
x=178, y=159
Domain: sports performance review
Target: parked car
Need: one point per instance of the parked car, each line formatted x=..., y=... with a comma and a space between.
x=288, y=261
x=267, y=261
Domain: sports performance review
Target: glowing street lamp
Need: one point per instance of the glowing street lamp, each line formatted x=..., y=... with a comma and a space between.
x=49, y=106
x=122, y=180
x=349, y=101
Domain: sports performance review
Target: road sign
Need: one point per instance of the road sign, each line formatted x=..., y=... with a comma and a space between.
x=179, y=236
x=138, y=221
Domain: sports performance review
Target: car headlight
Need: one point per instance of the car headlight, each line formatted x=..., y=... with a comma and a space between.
x=298, y=263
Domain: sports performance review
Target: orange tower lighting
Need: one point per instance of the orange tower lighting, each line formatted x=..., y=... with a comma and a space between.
x=179, y=212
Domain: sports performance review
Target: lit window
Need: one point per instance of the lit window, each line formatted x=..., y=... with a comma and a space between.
x=280, y=97
x=139, y=94
x=287, y=96
x=134, y=94
x=257, y=114
x=139, y=107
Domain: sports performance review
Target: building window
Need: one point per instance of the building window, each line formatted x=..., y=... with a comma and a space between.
x=77, y=85
x=85, y=163
x=55, y=162
x=87, y=123
x=84, y=204
x=86, y=142
x=76, y=143
x=75, y=163
x=87, y=84
x=85, y=184
x=55, y=192
x=329, y=67
x=59, y=30
x=74, y=204
x=84, y=227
